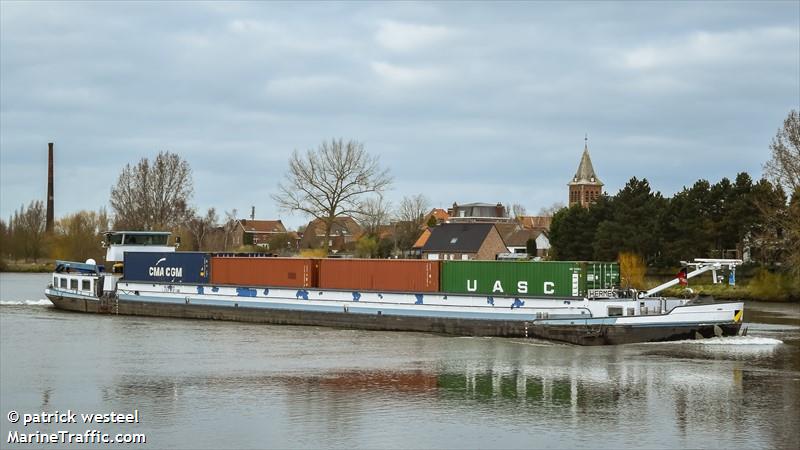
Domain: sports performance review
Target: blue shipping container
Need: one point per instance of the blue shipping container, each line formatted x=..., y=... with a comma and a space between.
x=167, y=267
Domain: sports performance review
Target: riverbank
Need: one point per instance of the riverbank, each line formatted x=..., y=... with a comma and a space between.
x=27, y=267
x=764, y=286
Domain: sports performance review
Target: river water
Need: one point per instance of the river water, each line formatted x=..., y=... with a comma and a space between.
x=207, y=384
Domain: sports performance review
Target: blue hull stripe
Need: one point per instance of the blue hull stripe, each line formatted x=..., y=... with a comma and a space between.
x=352, y=308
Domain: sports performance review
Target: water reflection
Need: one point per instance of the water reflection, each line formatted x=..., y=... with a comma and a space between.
x=663, y=394
x=204, y=384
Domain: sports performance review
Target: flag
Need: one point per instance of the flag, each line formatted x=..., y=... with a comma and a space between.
x=682, y=277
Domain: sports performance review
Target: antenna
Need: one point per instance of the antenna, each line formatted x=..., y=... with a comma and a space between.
x=253, y=212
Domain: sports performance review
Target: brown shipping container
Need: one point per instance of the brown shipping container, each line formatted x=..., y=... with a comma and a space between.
x=399, y=275
x=284, y=272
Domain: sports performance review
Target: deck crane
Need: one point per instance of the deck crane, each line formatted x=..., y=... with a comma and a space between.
x=700, y=265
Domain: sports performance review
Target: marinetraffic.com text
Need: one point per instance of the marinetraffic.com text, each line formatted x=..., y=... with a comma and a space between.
x=89, y=436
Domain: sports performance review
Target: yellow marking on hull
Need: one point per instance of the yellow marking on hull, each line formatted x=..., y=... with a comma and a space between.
x=738, y=317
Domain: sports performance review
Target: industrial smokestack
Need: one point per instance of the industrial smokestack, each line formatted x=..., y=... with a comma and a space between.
x=49, y=224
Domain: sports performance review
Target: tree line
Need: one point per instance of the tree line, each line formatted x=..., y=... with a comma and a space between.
x=340, y=178
x=723, y=219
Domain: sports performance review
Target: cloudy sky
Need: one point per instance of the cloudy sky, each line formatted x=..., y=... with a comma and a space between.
x=463, y=102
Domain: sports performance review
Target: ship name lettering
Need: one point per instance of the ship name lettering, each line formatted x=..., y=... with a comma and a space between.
x=157, y=271
x=498, y=286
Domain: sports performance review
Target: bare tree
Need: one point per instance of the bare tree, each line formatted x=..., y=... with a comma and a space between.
x=331, y=181
x=202, y=226
x=77, y=235
x=550, y=211
x=28, y=227
x=5, y=240
x=410, y=217
x=230, y=226
x=784, y=167
x=153, y=196
x=413, y=209
x=374, y=213
x=518, y=210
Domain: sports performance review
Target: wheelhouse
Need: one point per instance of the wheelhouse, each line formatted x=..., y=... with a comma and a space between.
x=118, y=242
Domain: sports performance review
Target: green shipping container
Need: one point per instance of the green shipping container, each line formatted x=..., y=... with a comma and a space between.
x=601, y=275
x=514, y=278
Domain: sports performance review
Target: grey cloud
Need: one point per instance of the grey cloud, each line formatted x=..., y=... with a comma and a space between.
x=464, y=101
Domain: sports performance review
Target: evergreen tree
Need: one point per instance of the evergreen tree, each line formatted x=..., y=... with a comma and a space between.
x=634, y=223
x=573, y=230
x=685, y=232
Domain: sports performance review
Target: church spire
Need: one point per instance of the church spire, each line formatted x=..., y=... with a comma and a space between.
x=585, y=173
x=585, y=187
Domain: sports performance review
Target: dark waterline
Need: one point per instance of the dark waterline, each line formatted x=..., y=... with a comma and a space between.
x=206, y=384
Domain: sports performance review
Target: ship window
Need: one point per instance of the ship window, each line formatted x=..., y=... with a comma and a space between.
x=73, y=284
x=454, y=240
x=55, y=281
x=86, y=285
x=63, y=282
x=614, y=311
x=114, y=239
x=145, y=239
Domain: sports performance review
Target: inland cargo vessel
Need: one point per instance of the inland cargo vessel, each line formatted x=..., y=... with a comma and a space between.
x=574, y=302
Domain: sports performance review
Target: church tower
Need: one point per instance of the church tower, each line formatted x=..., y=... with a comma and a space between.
x=585, y=187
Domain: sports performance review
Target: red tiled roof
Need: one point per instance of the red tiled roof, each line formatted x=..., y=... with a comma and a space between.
x=535, y=222
x=439, y=213
x=262, y=226
x=422, y=239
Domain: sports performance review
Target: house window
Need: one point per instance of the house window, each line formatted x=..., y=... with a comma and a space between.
x=464, y=257
x=433, y=256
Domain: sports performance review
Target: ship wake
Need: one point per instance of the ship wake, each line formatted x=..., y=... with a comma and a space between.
x=733, y=340
x=40, y=302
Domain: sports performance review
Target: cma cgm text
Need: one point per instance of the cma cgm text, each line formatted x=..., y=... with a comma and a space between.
x=166, y=271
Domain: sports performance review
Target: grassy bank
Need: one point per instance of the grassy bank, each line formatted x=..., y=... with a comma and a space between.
x=30, y=267
x=763, y=286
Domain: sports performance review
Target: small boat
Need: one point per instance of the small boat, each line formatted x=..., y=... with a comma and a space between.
x=165, y=288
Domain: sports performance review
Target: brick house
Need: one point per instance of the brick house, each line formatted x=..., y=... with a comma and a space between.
x=535, y=227
x=437, y=214
x=478, y=212
x=473, y=240
x=345, y=231
x=256, y=232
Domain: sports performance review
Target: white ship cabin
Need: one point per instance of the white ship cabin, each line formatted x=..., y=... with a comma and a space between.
x=119, y=242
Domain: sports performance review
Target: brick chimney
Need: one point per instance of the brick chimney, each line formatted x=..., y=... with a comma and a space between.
x=50, y=218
